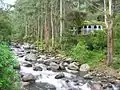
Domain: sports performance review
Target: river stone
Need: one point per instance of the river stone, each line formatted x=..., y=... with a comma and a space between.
x=47, y=62
x=34, y=51
x=20, y=54
x=26, y=46
x=84, y=67
x=37, y=68
x=65, y=64
x=30, y=57
x=43, y=56
x=28, y=78
x=50, y=87
x=96, y=86
x=61, y=66
x=22, y=74
x=17, y=45
x=54, y=66
x=59, y=76
x=70, y=71
x=40, y=60
x=48, y=68
x=27, y=64
x=88, y=76
x=24, y=84
x=73, y=66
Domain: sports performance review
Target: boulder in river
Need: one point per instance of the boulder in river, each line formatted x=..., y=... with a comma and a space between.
x=24, y=84
x=88, y=76
x=73, y=66
x=96, y=86
x=54, y=66
x=28, y=78
x=27, y=64
x=30, y=57
x=61, y=66
x=70, y=71
x=42, y=56
x=40, y=60
x=59, y=76
x=84, y=67
x=26, y=46
x=34, y=51
x=47, y=62
x=37, y=68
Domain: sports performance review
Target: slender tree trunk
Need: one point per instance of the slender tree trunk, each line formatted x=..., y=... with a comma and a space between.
x=52, y=28
x=110, y=36
x=61, y=20
x=38, y=32
x=105, y=14
x=41, y=22
x=46, y=29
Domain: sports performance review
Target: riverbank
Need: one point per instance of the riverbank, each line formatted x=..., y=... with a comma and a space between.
x=48, y=72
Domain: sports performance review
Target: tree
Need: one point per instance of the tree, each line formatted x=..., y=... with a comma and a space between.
x=110, y=35
x=5, y=26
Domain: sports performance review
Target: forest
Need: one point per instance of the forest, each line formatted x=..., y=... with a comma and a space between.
x=67, y=36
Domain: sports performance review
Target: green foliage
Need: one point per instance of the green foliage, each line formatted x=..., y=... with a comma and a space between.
x=8, y=76
x=117, y=34
x=5, y=26
x=89, y=49
x=40, y=44
x=69, y=40
x=76, y=18
x=116, y=62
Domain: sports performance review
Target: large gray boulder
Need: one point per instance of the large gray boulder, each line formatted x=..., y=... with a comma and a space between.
x=84, y=67
x=31, y=57
x=59, y=76
x=73, y=66
x=27, y=64
x=97, y=86
x=54, y=66
x=28, y=78
x=26, y=46
x=37, y=68
x=71, y=71
x=24, y=84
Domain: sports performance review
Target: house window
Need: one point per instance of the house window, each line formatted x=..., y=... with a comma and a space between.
x=85, y=26
x=89, y=26
x=79, y=30
x=95, y=26
x=99, y=27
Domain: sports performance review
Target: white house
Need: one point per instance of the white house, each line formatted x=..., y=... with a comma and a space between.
x=90, y=28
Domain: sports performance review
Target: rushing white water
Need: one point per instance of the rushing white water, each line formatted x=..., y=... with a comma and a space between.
x=49, y=77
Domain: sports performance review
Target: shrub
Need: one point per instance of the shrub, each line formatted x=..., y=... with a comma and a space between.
x=116, y=62
x=90, y=48
x=8, y=75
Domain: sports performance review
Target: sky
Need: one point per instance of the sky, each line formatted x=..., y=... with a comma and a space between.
x=10, y=1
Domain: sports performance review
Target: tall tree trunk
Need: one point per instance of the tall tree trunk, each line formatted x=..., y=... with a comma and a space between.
x=110, y=36
x=61, y=20
x=38, y=32
x=52, y=28
x=105, y=14
x=41, y=22
x=46, y=28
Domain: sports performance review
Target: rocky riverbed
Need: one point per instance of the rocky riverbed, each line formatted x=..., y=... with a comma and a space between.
x=51, y=72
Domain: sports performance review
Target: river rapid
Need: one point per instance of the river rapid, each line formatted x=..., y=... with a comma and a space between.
x=40, y=71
